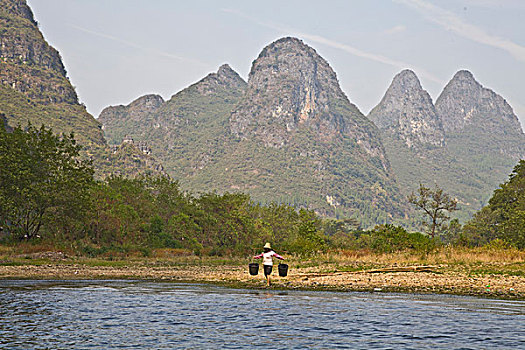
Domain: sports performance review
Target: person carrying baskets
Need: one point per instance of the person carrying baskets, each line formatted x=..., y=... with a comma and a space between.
x=267, y=255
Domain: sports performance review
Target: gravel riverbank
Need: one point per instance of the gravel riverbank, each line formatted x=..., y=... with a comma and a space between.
x=442, y=279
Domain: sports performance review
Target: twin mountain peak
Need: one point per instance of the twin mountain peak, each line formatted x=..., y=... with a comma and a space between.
x=407, y=111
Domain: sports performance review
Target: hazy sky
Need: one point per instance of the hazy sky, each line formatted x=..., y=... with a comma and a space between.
x=118, y=50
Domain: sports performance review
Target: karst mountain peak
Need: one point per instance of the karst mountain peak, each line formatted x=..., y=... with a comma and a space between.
x=465, y=103
x=408, y=79
x=407, y=112
x=225, y=77
x=290, y=85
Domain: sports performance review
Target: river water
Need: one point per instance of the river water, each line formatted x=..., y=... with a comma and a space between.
x=153, y=315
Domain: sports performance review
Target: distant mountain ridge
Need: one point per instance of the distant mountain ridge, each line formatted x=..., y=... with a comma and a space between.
x=290, y=134
x=152, y=112
x=190, y=127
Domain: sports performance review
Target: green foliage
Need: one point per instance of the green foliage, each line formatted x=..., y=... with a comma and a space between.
x=309, y=240
x=504, y=217
x=389, y=239
x=120, y=215
x=42, y=181
x=498, y=244
x=452, y=233
x=227, y=223
x=157, y=237
x=340, y=232
x=152, y=212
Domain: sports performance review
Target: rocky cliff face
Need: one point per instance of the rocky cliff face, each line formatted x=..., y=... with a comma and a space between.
x=290, y=86
x=465, y=102
x=29, y=64
x=407, y=112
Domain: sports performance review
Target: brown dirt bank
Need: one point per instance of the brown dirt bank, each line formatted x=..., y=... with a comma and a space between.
x=444, y=279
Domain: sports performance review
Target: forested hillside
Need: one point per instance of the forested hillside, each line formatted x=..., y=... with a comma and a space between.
x=289, y=135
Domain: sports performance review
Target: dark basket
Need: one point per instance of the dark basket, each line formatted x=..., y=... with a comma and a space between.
x=283, y=270
x=254, y=269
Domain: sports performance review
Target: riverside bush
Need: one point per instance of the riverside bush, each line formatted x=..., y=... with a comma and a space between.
x=389, y=239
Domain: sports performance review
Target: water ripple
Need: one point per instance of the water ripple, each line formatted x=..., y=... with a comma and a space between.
x=146, y=315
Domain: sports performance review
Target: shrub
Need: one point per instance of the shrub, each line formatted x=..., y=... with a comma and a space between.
x=389, y=239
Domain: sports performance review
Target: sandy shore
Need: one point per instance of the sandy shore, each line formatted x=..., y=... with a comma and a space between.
x=441, y=280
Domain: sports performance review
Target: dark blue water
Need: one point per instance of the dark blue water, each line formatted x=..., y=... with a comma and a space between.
x=146, y=315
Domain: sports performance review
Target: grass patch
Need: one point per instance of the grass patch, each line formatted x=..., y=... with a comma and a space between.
x=26, y=261
x=477, y=261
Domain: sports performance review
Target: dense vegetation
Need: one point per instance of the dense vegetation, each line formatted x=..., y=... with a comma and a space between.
x=43, y=183
x=466, y=176
x=48, y=194
x=504, y=217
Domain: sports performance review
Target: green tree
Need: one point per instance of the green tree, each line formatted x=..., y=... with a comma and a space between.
x=227, y=223
x=42, y=180
x=434, y=203
x=121, y=209
x=452, y=234
x=281, y=221
x=340, y=232
x=309, y=238
x=504, y=216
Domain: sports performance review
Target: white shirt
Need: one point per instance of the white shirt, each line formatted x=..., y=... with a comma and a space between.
x=267, y=257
